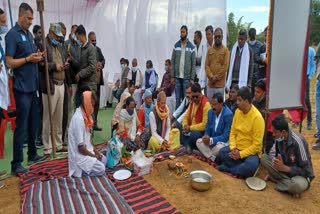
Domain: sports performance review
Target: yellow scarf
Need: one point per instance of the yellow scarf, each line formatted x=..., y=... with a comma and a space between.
x=162, y=114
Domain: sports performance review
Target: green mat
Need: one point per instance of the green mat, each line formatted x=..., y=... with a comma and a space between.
x=104, y=120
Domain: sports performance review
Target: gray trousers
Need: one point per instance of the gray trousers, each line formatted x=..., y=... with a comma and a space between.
x=293, y=185
x=212, y=91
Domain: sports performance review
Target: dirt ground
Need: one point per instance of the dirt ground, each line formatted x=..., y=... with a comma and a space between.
x=227, y=195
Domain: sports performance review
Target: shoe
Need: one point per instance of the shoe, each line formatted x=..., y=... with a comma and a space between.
x=96, y=128
x=37, y=159
x=309, y=127
x=39, y=145
x=63, y=150
x=19, y=170
x=316, y=146
x=1, y=184
x=3, y=174
x=224, y=168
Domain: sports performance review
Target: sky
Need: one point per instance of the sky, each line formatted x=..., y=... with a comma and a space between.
x=256, y=11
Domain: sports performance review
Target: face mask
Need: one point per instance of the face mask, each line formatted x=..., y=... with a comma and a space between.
x=252, y=42
x=130, y=111
x=194, y=42
x=279, y=140
x=134, y=69
x=78, y=42
x=54, y=42
x=123, y=66
x=166, y=68
x=3, y=29
x=94, y=44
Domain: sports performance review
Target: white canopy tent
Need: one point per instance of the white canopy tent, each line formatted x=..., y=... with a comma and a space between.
x=145, y=29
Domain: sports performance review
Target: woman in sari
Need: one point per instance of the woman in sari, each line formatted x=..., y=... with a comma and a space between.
x=120, y=105
x=128, y=123
x=144, y=132
x=160, y=126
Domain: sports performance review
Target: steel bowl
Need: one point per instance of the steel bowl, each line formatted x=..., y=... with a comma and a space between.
x=200, y=180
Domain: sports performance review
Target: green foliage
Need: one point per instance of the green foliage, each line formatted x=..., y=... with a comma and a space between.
x=314, y=37
x=234, y=28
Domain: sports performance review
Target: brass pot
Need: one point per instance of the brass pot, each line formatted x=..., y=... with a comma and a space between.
x=200, y=180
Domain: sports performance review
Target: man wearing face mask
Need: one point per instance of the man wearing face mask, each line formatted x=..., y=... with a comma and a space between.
x=291, y=169
x=100, y=65
x=56, y=78
x=241, y=63
x=135, y=79
x=183, y=65
x=87, y=75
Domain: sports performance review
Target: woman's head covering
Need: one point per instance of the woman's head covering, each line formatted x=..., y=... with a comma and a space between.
x=123, y=98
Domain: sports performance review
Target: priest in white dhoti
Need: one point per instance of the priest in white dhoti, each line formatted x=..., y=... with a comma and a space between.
x=84, y=159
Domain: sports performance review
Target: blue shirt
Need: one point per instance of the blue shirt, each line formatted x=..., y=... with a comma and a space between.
x=20, y=45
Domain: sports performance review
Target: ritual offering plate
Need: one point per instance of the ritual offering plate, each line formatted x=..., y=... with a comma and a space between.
x=122, y=174
x=256, y=183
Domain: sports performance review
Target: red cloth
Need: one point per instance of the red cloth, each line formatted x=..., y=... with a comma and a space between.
x=199, y=112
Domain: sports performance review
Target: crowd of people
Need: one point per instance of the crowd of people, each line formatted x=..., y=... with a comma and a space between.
x=189, y=104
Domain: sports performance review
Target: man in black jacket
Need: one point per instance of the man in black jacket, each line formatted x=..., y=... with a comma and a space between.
x=100, y=65
x=291, y=168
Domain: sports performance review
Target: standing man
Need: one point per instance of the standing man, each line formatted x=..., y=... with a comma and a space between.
x=241, y=61
x=203, y=77
x=255, y=46
x=217, y=62
x=22, y=57
x=198, y=52
x=311, y=68
x=57, y=88
x=291, y=169
x=87, y=75
x=100, y=65
x=183, y=64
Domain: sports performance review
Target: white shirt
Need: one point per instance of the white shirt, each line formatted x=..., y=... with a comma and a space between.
x=182, y=61
x=153, y=127
x=4, y=87
x=217, y=122
x=79, y=135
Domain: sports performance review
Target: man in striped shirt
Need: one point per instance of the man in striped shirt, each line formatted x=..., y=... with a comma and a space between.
x=291, y=168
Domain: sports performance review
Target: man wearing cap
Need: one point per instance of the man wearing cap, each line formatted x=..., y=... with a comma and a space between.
x=22, y=57
x=56, y=70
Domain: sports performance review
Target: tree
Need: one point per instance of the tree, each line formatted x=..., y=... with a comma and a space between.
x=314, y=33
x=234, y=28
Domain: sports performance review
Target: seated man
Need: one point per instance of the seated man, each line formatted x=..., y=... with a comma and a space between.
x=231, y=102
x=178, y=115
x=259, y=99
x=218, y=127
x=241, y=158
x=160, y=125
x=195, y=120
x=291, y=168
x=83, y=158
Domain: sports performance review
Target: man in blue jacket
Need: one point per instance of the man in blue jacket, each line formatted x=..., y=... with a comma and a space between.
x=218, y=127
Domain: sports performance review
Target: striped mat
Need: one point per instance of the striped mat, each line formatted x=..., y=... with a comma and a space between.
x=142, y=197
x=75, y=195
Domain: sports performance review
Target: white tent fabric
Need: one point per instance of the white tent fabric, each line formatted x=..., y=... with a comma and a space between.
x=145, y=29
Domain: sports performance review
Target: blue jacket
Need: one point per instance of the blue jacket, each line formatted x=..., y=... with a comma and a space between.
x=224, y=126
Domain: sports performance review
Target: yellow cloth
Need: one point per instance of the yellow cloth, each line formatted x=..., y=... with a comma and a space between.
x=174, y=141
x=200, y=126
x=247, y=132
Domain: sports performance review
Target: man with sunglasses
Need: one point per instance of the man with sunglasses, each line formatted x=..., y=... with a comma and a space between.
x=195, y=120
x=217, y=62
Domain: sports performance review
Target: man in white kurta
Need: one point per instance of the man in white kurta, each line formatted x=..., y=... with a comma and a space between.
x=79, y=135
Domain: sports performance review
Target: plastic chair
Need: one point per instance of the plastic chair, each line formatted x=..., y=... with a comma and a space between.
x=9, y=116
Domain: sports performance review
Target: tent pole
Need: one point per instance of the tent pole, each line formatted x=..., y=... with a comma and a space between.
x=10, y=12
x=40, y=7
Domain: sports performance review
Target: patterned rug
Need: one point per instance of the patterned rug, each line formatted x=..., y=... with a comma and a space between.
x=75, y=195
